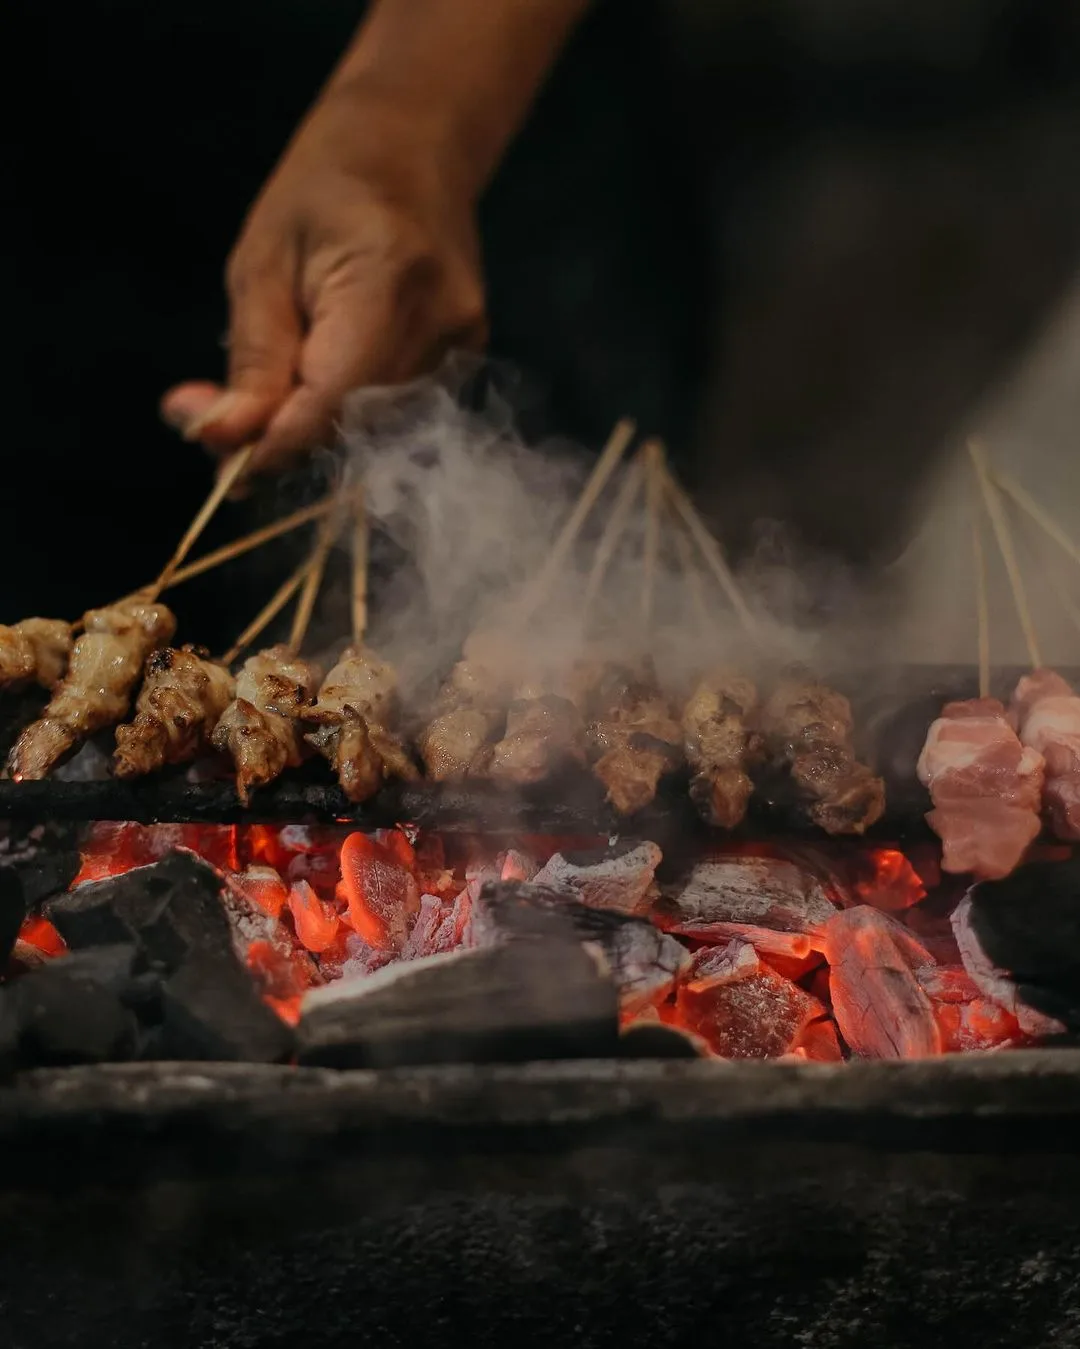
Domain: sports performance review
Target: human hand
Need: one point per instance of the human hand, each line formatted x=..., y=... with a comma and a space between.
x=358, y=265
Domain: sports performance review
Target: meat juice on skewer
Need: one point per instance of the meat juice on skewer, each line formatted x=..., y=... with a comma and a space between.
x=35, y=650
x=353, y=716
x=808, y=730
x=719, y=742
x=182, y=699
x=986, y=788
x=105, y=666
x=260, y=729
x=1046, y=714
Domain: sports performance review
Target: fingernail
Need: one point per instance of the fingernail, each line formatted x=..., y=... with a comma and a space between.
x=219, y=408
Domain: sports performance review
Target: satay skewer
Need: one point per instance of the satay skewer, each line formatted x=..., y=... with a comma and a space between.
x=688, y=566
x=1003, y=534
x=710, y=551
x=316, y=570
x=1031, y=508
x=359, y=572
x=538, y=591
x=269, y=611
x=228, y=551
x=614, y=529
x=226, y=480
x=653, y=455
x=982, y=607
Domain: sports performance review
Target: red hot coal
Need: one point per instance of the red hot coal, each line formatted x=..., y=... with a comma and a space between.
x=824, y=952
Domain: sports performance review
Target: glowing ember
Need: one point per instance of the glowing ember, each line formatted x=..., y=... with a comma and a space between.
x=316, y=904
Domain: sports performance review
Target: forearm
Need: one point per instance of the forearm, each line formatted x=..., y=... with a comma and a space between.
x=466, y=70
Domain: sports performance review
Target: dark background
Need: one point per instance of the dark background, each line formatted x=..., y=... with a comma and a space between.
x=795, y=243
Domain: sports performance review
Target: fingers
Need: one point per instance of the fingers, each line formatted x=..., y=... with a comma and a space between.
x=264, y=348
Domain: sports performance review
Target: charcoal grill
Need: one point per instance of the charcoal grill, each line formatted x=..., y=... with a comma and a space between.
x=594, y=1203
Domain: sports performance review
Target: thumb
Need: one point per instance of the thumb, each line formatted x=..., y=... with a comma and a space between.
x=264, y=345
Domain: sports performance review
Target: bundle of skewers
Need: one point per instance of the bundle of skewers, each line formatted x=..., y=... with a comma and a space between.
x=493, y=718
x=999, y=773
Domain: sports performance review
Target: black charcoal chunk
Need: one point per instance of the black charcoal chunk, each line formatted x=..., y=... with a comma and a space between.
x=13, y=910
x=526, y=999
x=655, y=1041
x=211, y=1010
x=169, y=909
x=1019, y=939
x=65, y=1017
x=645, y=962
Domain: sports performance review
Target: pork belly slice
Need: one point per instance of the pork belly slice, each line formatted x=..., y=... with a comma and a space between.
x=1046, y=714
x=986, y=788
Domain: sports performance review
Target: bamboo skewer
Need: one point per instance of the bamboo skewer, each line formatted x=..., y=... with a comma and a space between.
x=1031, y=507
x=359, y=574
x=269, y=612
x=710, y=551
x=653, y=456
x=538, y=591
x=256, y=539
x=1000, y=523
x=689, y=568
x=316, y=569
x=982, y=604
x=614, y=529
x=226, y=481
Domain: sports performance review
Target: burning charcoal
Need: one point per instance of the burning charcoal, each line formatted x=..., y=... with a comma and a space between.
x=741, y=1007
x=65, y=1015
x=645, y=962
x=211, y=1010
x=819, y=1043
x=653, y=1040
x=1019, y=939
x=878, y=1003
x=315, y=921
x=522, y=1000
x=966, y=1018
x=422, y=938
x=766, y=891
x=618, y=879
x=789, y=953
x=25, y=883
x=516, y=866
x=382, y=895
x=262, y=887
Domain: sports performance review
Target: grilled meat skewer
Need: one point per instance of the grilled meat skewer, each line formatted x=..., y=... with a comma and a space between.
x=719, y=744
x=545, y=732
x=183, y=696
x=809, y=730
x=469, y=712
x=260, y=729
x=106, y=662
x=35, y=650
x=635, y=740
x=353, y=714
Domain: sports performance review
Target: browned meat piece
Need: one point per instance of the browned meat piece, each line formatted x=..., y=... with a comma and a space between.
x=260, y=728
x=635, y=739
x=182, y=699
x=469, y=713
x=105, y=666
x=719, y=742
x=808, y=730
x=544, y=733
x=37, y=649
x=353, y=713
